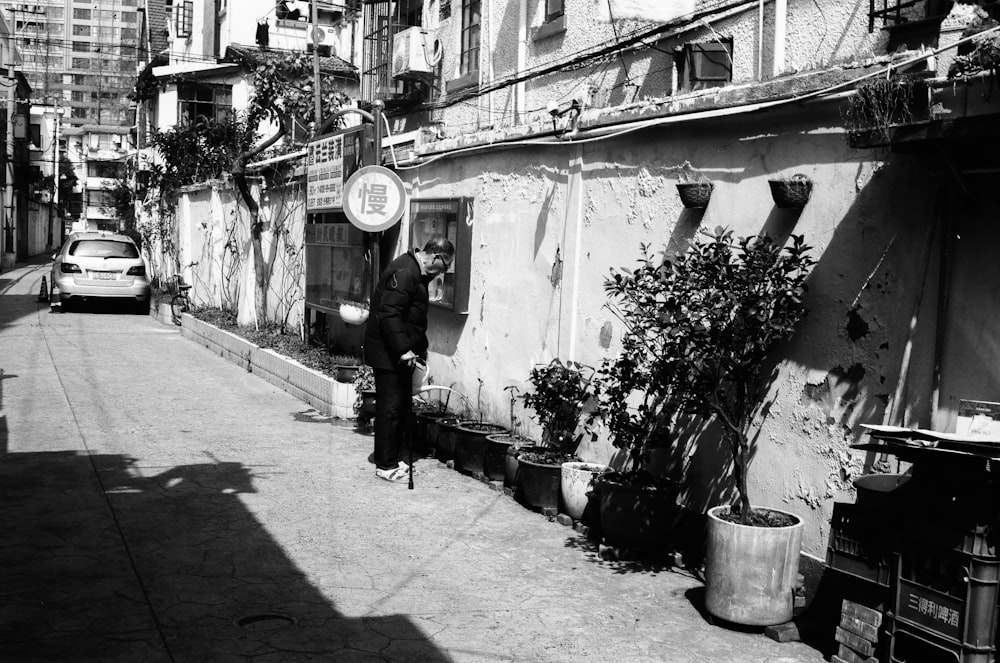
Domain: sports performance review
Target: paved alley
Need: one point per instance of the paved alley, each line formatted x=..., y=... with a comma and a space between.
x=158, y=504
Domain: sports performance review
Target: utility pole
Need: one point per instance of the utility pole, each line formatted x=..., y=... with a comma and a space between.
x=317, y=97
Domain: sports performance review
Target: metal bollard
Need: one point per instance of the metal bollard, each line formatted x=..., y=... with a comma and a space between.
x=43, y=291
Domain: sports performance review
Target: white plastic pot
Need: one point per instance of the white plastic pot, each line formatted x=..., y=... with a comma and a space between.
x=353, y=315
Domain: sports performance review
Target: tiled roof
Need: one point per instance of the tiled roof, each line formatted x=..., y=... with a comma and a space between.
x=327, y=64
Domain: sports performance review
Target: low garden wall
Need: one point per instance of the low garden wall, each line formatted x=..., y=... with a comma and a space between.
x=330, y=397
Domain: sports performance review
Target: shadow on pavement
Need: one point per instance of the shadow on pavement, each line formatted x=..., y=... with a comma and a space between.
x=101, y=560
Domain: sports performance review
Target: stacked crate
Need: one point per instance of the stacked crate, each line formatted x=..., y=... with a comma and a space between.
x=945, y=594
x=857, y=634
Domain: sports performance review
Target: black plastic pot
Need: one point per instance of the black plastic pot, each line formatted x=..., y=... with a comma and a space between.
x=368, y=403
x=470, y=445
x=538, y=484
x=423, y=427
x=636, y=517
x=346, y=373
x=501, y=458
x=445, y=436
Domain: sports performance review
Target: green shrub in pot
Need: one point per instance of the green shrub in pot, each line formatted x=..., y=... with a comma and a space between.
x=699, y=328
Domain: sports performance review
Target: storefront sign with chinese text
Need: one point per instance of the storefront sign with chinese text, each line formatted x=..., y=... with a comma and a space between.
x=325, y=174
x=374, y=198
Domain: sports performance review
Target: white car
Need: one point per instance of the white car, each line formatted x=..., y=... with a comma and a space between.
x=98, y=265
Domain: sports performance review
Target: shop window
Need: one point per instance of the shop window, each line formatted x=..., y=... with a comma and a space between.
x=212, y=102
x=705, y=65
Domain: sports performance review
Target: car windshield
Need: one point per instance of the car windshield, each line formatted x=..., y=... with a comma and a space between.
x=103, y=248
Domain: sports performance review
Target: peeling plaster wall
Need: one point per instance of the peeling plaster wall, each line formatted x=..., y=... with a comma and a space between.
x=867, y=221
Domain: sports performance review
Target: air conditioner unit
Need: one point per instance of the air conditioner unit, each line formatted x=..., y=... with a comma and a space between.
x=410, y=55
x=323, y=35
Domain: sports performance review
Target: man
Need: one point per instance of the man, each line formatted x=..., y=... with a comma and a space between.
x=395, y=340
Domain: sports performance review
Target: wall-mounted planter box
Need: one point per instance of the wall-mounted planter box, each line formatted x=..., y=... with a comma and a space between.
x=791, y=193
x=695, y=195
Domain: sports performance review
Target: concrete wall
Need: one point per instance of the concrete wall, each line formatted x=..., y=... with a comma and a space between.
x=551, y=222
x=215, y=252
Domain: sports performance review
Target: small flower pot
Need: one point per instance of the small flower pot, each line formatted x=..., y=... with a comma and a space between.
x=346, y=373
x=538, y=484
x=353, y=315
x=792, y=193
x=501, y=456
x=695, y=194
x=470, y=445
x=368, y=403
x=577, y=487
x=426, y=428
x=446, y=437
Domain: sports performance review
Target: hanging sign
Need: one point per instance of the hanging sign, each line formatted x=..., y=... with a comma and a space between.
x=374, y=198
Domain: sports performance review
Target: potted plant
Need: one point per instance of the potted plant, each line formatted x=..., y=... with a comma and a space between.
x=354, y=313
x=560, y=392
x=637, y=508
x=345, y=367
x=713, y=315
x=879, y=104
x=364, y=404
x=694, y=188
x=470, y=441
x=791, y=192
x=502, y=448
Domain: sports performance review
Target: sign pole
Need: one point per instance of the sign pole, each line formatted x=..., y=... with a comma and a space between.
x=376, y=238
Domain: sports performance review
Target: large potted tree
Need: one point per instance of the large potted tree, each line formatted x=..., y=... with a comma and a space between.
x=716, y=313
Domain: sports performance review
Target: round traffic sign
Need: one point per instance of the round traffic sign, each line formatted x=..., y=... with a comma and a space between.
x=374, y=198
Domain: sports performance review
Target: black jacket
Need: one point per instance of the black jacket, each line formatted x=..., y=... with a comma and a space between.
x=397, y=321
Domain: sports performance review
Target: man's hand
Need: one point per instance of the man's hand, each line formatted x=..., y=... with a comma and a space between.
x=408, y=358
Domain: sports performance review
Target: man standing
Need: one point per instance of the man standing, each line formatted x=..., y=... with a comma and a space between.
x=395, y=340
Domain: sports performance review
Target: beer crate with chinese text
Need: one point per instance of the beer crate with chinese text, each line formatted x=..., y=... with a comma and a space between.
x=947, y=593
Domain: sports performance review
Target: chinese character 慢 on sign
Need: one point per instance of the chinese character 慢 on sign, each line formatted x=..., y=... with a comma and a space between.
x=374, y=198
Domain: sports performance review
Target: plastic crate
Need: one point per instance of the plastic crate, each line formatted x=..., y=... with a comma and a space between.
x=861, y=544
x=912, y=645
x=948, y=594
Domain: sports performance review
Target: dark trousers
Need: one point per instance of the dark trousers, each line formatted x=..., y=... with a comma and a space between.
x=393, y=405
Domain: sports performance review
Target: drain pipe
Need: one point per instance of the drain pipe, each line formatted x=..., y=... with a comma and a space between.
x=522, y=56
x=780, y=22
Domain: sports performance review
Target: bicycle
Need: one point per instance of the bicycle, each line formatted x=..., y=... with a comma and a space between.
x=181, y=302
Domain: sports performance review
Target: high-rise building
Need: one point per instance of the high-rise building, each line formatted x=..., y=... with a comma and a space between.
x=79, y=55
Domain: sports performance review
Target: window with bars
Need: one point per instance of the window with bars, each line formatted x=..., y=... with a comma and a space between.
x=469, y=54
x=212, y=102
x=381, y=21
x=185, y=18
